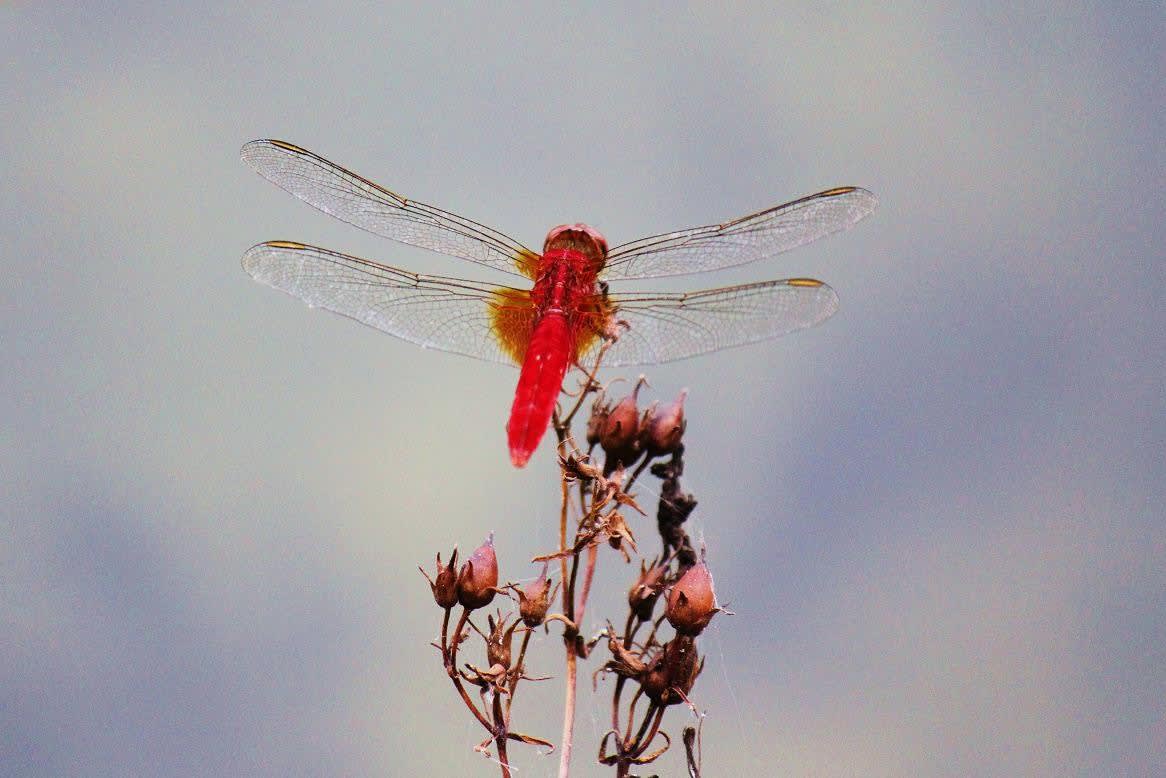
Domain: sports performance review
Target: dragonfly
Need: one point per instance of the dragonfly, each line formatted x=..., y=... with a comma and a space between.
x=564, y=311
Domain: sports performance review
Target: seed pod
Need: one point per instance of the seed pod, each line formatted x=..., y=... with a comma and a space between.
x=662, y=427
x=692, y=601
x=535, y=599
x=597, y=420
x=673, y=672
x=644, y=593
x=621, y=431
x=498, y=642
x=444, y=583
x=478, y=580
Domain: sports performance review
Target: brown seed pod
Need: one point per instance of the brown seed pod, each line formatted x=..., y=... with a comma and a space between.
x=692, y=601
x=477, y=582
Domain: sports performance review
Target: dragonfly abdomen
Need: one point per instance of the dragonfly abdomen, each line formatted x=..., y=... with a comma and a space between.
x=539, y=382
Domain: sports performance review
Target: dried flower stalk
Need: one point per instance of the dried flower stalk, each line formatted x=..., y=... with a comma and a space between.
x=652, y=672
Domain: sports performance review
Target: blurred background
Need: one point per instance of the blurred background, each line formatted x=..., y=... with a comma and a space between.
x=938, y=516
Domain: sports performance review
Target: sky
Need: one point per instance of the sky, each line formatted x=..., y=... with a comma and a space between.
x=937, y=517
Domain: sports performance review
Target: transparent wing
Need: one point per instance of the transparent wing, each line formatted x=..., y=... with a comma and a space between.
x=360, y=202
x=748, y=239
x=663, y=327
x=448, y=314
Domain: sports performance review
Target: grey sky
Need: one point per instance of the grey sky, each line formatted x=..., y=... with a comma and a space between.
x=938, y=516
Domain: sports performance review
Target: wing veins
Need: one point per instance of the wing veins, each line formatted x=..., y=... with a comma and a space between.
x=743, y=240
x=350, y=197
x=448, y=314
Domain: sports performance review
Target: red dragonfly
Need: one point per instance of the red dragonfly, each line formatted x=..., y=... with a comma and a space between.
x=568, y=312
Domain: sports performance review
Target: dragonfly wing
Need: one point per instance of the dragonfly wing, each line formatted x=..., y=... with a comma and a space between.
x=448, y=314
x=332, y=189
x=748, y=239
x=663, y=327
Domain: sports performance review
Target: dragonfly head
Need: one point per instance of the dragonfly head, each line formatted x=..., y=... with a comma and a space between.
x=581, y=238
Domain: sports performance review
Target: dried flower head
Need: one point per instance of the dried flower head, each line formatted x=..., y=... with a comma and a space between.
x=534, y=599
x=624, y=662
x=619, y=534
x=692, y=601
x=444, y=583
x=644, y=593
x=662, y=427
x=673, y=672
x=478, y=580
x=498, y=642
x=600, y=409
x=578, y=468
x=621, y=431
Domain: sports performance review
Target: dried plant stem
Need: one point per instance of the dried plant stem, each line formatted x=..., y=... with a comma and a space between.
x=692, y=751
x=518, y=677
x=619, y=683
x=568, y=712
x=573, y=608
x=451, y=668
x=652, y=717
x=572, y=641
x=567, y=741
x=499, y=728
x=562, y=426
x=500, y=736
x=654, y=673
x=588, y=576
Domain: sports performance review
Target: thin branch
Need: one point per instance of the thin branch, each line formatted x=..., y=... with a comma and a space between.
x=588, y=576
x=568, y=713
x=451, y=669
x=500, y=734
